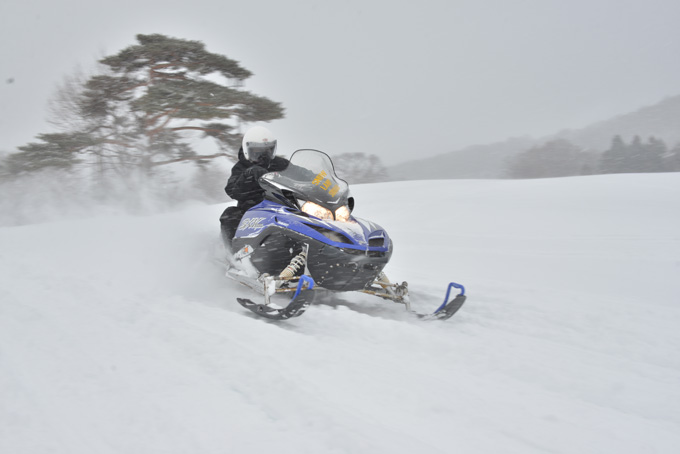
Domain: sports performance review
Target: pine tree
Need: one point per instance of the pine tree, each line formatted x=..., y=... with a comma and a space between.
x=671, y=163
x=636, y=156
x=655, y=150
x=135, y=112
x=613, y=160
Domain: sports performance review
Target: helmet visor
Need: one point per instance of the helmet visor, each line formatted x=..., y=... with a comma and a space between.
x=258, y=151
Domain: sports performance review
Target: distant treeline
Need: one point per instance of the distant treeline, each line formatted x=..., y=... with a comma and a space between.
x=561, y=158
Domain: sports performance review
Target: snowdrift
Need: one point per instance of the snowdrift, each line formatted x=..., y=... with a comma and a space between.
x=120, y=334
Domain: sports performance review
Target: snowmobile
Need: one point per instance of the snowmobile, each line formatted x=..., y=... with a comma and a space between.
x=303, y=237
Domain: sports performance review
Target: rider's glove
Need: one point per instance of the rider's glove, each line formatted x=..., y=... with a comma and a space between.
x=255, y=172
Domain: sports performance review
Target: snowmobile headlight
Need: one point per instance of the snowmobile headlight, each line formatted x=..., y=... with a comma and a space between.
x=317, y=211
x=342, y=214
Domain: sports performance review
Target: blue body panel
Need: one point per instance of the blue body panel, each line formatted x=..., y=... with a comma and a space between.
x=359, y=234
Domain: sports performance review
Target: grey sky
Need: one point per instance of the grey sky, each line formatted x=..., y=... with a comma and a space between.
x=400, y=79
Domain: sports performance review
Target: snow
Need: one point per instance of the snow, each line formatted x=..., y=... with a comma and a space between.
x=120, y=334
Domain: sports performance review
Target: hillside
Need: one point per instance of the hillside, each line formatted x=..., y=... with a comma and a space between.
x=661, y=120
x=120, y=334
x=476, y=161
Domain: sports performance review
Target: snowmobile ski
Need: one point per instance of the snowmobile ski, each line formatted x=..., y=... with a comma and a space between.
x=448, y=308
x=296, y=307
x=398, y=293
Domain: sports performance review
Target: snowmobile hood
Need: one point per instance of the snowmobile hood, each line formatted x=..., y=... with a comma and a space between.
x=358, y=234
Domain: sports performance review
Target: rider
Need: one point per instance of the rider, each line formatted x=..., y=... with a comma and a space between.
x=256, y=157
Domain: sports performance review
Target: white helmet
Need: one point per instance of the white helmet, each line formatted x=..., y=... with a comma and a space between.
x=259, y=144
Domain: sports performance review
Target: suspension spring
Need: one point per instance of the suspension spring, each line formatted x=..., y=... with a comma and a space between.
x=298, y=262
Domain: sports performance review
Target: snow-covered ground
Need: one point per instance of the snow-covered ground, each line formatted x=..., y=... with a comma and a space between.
x=121, y=335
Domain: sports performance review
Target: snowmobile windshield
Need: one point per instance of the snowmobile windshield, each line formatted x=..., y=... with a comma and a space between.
x=310, y=177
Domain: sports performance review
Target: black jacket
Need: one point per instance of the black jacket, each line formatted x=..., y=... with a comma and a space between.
x=244, y=188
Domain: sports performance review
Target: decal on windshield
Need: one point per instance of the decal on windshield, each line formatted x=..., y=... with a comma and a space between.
x=325, y=183
x=320, y=176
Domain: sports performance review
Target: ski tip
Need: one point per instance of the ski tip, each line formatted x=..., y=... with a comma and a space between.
x=451, y=308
